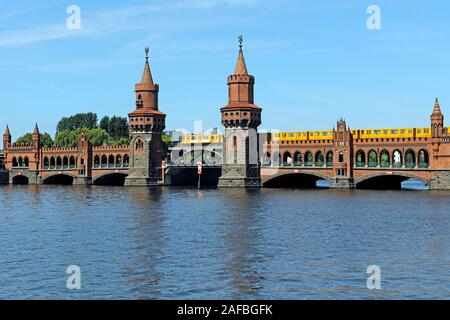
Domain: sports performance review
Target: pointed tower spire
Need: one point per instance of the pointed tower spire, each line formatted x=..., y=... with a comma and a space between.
x=7, y=133
x=147, y=74
x=6, y=138
x=241, y=67
x=437, y=107
x=36, y=128
x=437, y=120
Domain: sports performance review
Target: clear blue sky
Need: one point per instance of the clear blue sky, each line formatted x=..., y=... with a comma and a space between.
x=314, y=60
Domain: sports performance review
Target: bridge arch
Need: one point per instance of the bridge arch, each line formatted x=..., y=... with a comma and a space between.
x=110, y=179
x=59, y=179
x=20, y=180
x=384, y=181
x=302, y=179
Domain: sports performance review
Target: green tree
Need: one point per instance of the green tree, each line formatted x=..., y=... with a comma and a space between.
x=166, y=138
x=45, y=138
x=78, y=121
x=97, y=136
x=104, y=123
x=116, y=127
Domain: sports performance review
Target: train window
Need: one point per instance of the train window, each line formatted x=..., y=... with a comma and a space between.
x=385, y=132
x=377, y=132
x=394, y=131
x=324, y=134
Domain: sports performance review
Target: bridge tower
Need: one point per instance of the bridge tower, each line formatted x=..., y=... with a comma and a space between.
x=440, y=150
x=343, y=155
x=35, y=156
x=36, y=137
x=146, y=125
x=437, y=120
x=241, y=118
x=6, y=139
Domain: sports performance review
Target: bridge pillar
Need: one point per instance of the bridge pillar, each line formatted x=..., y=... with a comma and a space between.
x=82, y=181
x=241, y=118
x=342, y=183
x=4, y=177
x=440, y=180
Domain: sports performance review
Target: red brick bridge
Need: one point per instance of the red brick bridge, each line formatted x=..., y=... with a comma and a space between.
x=366, y=158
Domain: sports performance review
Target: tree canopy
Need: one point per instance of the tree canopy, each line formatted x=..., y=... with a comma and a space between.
x=111, y=131
x=78, y=121
x=45, y=138
x=116, y=127
x=69, y=139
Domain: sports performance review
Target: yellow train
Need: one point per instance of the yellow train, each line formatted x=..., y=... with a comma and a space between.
x=324, y=135
x=392, y=133
x=303, y=136
x=202, y=138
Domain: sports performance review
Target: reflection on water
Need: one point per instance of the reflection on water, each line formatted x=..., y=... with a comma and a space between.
x=178, y=243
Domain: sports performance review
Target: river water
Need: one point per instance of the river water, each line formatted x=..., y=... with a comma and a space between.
x=182, y=243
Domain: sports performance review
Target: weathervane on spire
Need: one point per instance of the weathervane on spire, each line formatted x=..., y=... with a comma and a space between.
x=241, y=40
x=146, y=53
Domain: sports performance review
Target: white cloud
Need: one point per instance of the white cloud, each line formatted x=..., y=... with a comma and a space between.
x=109, y=21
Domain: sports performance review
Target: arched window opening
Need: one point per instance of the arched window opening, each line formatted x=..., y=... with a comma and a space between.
x=104, y=161
x=72, y=162
x=15, y=163
x=139, y=102
x=267, y=161
x=65, y=163
x=298, y=159
x=309, y=159
x=58, y=163
x=424, y=161
x=111, y=161
x=330, y=159
x=384, y=159
x=52, y=163
x=46, y=163
x=97, y=162
x=341, y=157
x=287, y=159
x=235, y=154
x=360, y=159
x=410, y=159
x=373, y=159
x=320, y=159
x=397, y=161
x=139, y=144
x=119, y=161
x=126, y=161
